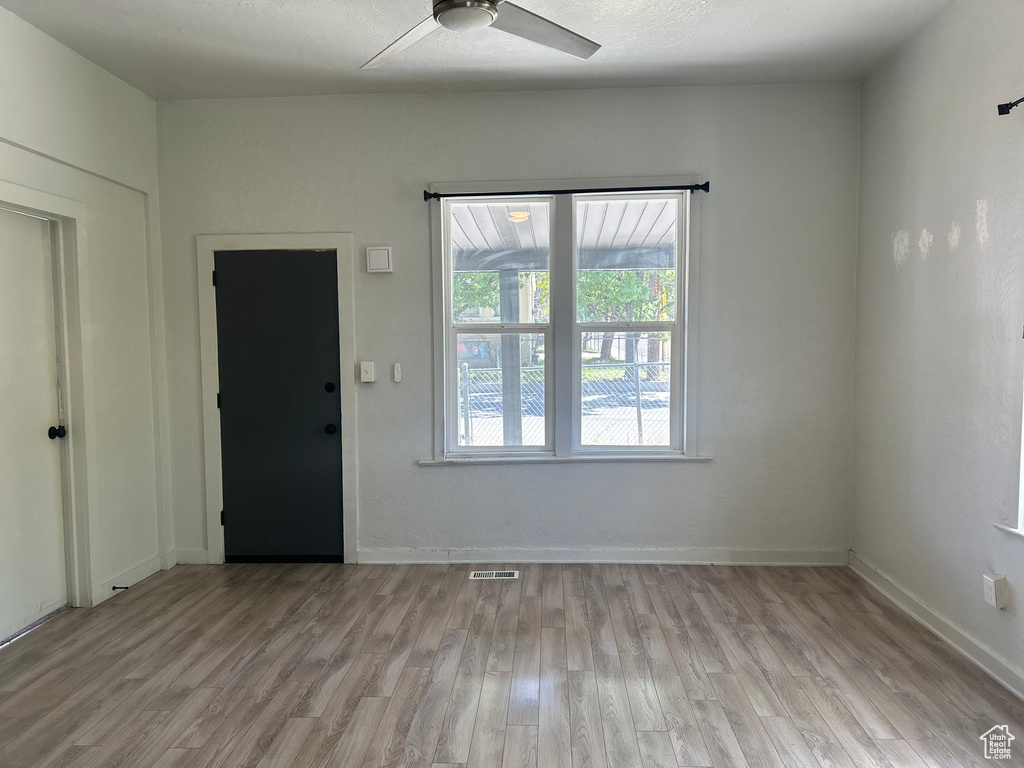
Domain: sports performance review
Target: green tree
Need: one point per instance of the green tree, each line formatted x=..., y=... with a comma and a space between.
x=625, y=296
x=474, y=289
x=604, y=296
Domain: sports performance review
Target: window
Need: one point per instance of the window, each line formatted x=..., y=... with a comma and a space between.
x=626, y=289
x=498, y=277
x=563, y=324
x=1017, y=526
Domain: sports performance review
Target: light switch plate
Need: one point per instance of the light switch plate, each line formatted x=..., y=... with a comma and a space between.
x=367, y=374
x=378, y=258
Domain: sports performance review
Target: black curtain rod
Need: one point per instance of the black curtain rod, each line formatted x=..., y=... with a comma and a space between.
x=705, y=187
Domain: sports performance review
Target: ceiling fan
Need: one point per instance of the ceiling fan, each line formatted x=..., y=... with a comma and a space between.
x=467, y=15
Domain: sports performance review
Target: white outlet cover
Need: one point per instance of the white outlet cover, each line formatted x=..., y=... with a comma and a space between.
x=995, y=590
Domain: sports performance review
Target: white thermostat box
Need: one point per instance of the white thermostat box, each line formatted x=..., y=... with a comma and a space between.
x=378, y=258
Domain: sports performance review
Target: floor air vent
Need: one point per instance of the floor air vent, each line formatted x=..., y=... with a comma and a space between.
x=494, y=574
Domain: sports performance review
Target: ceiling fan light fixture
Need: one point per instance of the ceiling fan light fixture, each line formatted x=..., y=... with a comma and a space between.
x=470, y=15
x=465, y=15
x=518, y=217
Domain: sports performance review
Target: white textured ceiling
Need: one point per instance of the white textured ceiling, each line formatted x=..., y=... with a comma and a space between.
x=229, y=48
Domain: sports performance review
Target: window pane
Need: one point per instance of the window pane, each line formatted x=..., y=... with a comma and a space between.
x=626, y=385
x=500, y=256
x=626, y=259
x=500, y=384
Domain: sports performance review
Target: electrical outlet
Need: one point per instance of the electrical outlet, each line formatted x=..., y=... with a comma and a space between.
x=995, y=590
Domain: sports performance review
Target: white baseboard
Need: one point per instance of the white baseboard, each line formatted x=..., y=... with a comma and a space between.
x=672, y=555
x=193, y=556
x=999, y=668
x=168, y=560
x=128, y=578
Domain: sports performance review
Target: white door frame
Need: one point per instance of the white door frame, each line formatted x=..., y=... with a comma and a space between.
x=206, y=247
x=72, y=314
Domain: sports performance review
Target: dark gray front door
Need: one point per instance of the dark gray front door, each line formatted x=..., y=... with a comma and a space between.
x=280, y=405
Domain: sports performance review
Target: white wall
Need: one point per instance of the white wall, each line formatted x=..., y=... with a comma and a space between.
x=939, y=356
x=776, y=305
x=72, y=130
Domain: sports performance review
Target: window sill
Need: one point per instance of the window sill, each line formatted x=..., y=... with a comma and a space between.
x=1008, y=529
x=547, y=459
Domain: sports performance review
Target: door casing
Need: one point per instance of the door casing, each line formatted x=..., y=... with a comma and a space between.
x=206, y=246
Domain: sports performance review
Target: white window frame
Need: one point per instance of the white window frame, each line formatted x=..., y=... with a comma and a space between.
x=676, y=327
x=563, y=331
x=451, y=333
x=1016, y=527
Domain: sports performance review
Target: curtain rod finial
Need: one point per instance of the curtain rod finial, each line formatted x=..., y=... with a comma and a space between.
x=1004, y=109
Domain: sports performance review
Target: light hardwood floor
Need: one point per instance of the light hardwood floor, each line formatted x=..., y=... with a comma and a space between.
x=571, y=666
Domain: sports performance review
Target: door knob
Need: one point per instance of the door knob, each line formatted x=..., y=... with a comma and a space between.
x=55, y=432
x=330, y=429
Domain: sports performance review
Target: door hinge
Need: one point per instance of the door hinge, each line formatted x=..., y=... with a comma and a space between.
x=222, y=517
x=218, y=399
x=215, y=278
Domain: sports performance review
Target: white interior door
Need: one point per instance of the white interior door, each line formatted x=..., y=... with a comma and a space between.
x=32, y=572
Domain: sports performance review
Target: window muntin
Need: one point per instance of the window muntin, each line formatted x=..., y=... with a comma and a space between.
x=620, y=296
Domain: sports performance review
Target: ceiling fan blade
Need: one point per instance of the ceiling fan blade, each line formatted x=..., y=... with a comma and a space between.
x=521, y=23
x=407, y=40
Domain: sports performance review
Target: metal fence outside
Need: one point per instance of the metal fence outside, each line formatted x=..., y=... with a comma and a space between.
x=622, y=404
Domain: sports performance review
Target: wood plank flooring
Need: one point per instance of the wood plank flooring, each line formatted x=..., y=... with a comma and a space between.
x=570, y=666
